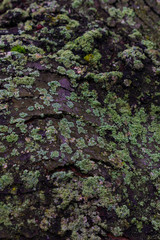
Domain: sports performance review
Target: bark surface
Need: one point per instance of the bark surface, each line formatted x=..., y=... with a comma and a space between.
x=80, y=120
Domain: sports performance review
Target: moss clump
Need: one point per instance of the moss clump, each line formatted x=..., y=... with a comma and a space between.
x=19, y=49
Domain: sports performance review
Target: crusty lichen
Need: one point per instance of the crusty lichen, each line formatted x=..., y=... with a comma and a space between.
x=79, y=123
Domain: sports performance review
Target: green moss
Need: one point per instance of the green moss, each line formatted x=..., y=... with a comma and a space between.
x=138, y=224
x=149, y=44
x=88, y=57
x=19, y=49
x=101, y=142
x=2, y=161
x=72, y=24
x=156, y=223
x=66, y=32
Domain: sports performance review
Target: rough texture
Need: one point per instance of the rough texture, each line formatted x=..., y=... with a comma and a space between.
x=79, y=120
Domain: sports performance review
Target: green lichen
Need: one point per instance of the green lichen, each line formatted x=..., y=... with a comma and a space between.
x=133, y=55
x=5, y=211
x=85, y=165
x=5, y=4
x=66, y=148
x=13, y=137
x=67, y=58
x=126, y=15
x=54, y=154
x=30, y=178
x=53, y=86
x=93, y=59
x=28, y=81
x=85, y=42
x=80, y=143
x=93, y=151
x=6, y=180
x=65, y=127
x=2, y=148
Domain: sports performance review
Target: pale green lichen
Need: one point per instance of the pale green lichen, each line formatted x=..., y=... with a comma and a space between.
x=24, y=80
x=135, y=55
x=13, y=137
x=85, y=42
x=6, y=180
x=30, y=178
x=65, y=127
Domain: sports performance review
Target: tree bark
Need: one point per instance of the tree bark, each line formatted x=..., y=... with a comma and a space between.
x=79, y=120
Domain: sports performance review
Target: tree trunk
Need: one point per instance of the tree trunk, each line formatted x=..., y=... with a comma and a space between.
x=79, y=120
